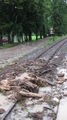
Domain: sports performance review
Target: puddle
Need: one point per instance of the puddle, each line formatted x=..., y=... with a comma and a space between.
x=23, y=111
x=56, y=56
x=47, y=118
x=38, y=107
x=62, y=71
x=45, y=90
x=18, y=113
x=62, y=113
x=4, y=103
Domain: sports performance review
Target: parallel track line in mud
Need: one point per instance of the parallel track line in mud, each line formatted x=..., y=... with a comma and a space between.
x=51, y=57
x=9, y=111
x=45, y=51
x=54, y=53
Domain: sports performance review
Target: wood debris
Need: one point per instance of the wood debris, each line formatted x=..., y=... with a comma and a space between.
x=2, y=110
x=4, y=85
x=30, y=94
x=29, y=81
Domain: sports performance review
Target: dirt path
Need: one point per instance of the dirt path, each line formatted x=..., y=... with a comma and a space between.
x=11, y=54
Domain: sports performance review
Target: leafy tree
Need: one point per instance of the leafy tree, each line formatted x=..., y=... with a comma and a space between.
x=18, y=17
x=28, y=22
x=58, y=7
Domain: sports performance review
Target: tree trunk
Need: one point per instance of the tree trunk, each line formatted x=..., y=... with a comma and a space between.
x=8, y=37
x=26, y=38
x=22, y=37
x=18, y=37
x=30, y=94
x=44, y=31
x=19, y=40
x=30, y=37
x=12, y=37
x=40, y=35
x=1, y=43
x=36, y=36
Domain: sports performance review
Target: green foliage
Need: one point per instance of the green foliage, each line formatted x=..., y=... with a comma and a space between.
x=58, y=11
x=55, y=38
x=25, y=17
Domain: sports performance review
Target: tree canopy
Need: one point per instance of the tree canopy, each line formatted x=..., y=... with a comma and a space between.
x=27, y=17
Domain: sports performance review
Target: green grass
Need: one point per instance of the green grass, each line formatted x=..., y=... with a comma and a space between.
x=49, y=42
x=34, y=37
x=55, y=38
x=7, y=45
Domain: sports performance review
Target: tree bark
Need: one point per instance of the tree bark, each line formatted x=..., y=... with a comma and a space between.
x=30, y=37
x=1, y=43
x=12, y=37
x=19, y=40
x=9, y=41
x=36, y=36
x=44, y=31
x=40, y=35
x=30, y=94
x=22, y=37
x=26, y=38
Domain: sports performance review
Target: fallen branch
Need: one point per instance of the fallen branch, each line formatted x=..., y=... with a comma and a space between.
x=30, y=94
x=40, y=81
x=28, y=85
x=45, y=71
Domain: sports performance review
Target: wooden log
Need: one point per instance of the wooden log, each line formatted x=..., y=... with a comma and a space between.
x=5, y=88
x=4, y=85
x=42, y=81
x=26, y=84
x=29, y=86
x=30, y=94
x=37, y=80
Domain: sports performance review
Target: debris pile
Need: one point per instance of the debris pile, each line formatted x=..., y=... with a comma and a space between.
x=37, y=80
x=28, y=82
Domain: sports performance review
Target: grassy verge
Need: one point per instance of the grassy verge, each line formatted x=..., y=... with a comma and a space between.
x=49, y=42
x=8, y=45
x=55, y=38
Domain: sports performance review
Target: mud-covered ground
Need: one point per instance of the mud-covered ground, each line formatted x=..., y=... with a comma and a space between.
x=10, y=55
x=53, y=104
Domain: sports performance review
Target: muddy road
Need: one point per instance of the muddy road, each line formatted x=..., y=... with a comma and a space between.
x=35, y=87
x=10, y=55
